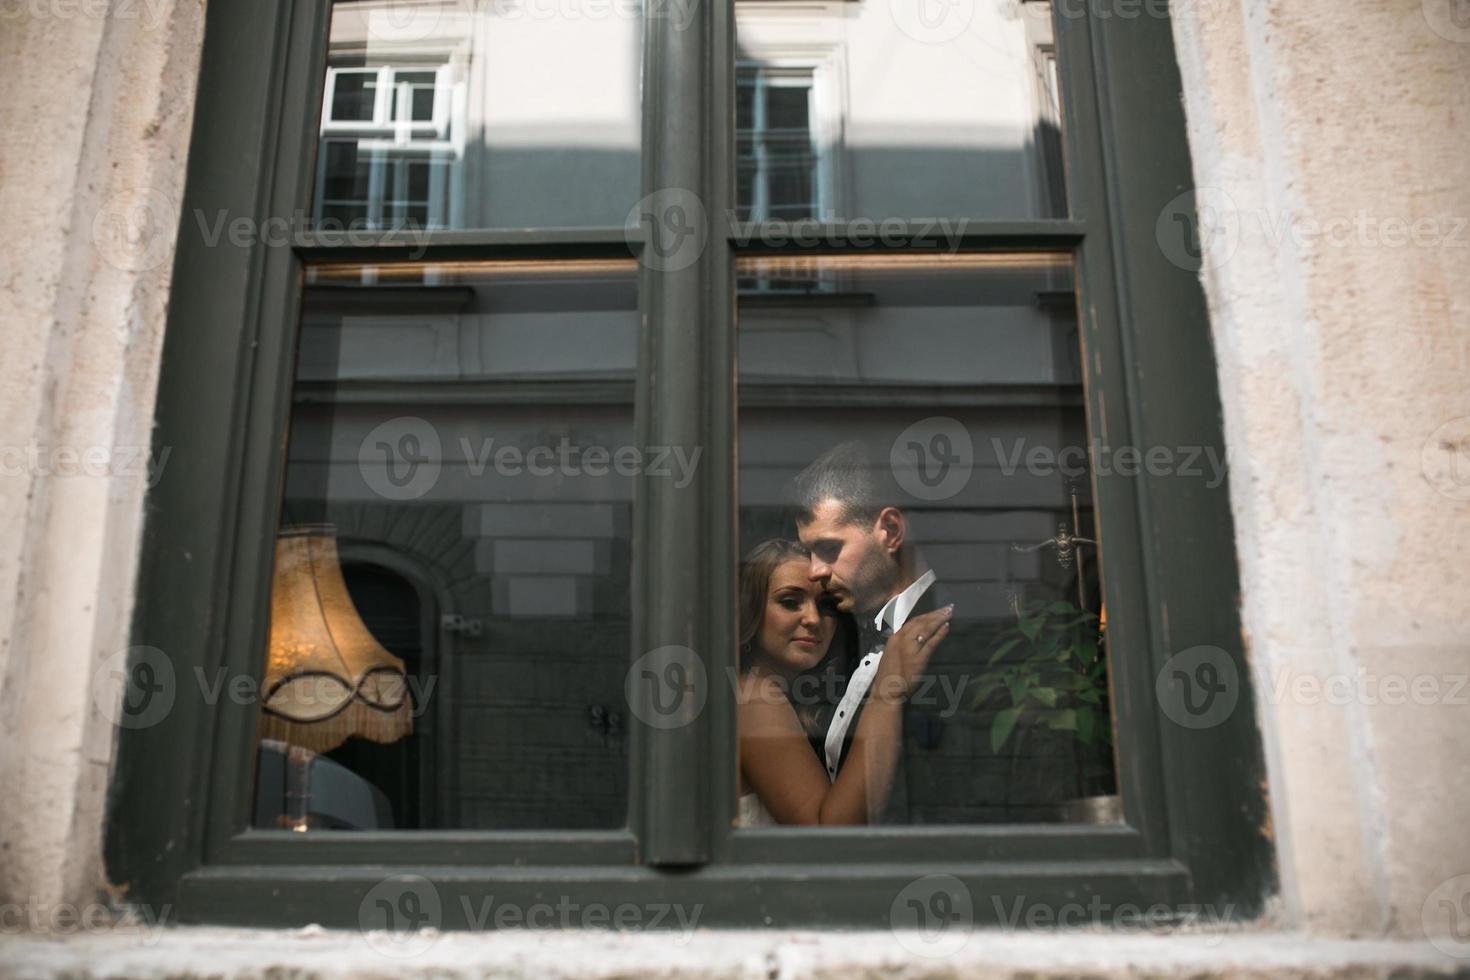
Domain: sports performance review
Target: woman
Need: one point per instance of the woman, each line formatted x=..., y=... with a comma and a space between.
x=787, y=631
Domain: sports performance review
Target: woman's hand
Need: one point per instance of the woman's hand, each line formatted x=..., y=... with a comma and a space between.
x=907, y=653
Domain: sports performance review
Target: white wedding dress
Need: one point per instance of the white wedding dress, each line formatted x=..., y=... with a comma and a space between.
x=753, y=812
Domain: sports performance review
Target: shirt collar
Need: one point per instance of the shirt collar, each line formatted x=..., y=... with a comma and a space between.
x=896, y=610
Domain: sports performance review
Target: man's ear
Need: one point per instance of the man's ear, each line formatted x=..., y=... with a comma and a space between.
x=892, y=530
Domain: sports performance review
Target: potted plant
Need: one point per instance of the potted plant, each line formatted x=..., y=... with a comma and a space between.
x=1049, y=671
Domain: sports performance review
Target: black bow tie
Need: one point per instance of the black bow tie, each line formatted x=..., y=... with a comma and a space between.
x=872, y=637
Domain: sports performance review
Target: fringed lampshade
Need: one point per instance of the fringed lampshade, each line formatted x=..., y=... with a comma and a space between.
x=326, y=678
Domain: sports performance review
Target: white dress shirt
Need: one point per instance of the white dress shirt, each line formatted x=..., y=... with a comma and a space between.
x=894, y=614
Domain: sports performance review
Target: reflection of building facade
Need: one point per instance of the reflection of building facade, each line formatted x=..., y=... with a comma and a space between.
x=495, y=132
x=445, y=114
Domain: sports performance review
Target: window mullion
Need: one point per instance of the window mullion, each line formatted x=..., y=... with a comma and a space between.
x=683, y=536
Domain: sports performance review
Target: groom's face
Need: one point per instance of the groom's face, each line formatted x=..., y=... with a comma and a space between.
x=848, y=559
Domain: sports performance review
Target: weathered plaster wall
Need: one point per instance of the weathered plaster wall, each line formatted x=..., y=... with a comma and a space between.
x=1329, y=150
x=95, y=108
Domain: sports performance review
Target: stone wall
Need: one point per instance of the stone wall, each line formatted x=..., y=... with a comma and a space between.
x=96, y=106
x=1328, y=144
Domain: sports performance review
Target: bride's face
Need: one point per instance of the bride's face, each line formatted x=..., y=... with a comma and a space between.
x=798, y=624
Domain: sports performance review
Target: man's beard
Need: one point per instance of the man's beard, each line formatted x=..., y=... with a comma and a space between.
x=877, y=577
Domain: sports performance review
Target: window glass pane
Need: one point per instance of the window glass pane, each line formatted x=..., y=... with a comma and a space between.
x=918, y=425
x=534, y=110
x=418, y=180
x=775, y=160
x=909, y=110
x=345, y=215
x=745, y=88
x=347, y=177
x=786, y=108
x=354, y=96
x=413, y=90
x=450, y=604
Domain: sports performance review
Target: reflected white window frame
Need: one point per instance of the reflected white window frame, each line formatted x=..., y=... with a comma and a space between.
x=389, y=86
x=386, y=142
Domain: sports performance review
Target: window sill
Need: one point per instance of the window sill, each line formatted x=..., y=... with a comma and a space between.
x=312, y=951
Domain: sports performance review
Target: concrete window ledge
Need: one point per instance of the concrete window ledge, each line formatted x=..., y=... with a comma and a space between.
x=546, y=955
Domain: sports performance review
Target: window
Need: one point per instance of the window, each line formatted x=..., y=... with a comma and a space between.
x=783, y=164
x=471, y=495
x=776, y=162
x=391, y=148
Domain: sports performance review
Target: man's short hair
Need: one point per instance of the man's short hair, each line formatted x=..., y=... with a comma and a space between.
x=848, y=474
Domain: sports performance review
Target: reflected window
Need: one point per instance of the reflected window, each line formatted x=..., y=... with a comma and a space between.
x=776, y=153
x=391, y=149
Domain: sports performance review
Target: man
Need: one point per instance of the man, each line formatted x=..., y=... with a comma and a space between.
x=863, y=553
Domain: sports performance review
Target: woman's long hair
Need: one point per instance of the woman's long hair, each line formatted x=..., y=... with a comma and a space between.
x=755, y=583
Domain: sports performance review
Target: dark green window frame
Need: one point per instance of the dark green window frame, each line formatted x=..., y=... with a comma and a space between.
x=178, y=818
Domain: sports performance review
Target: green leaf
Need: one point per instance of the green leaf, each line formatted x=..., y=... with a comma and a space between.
x=1086, y=723
x=980, y=689
x=1002, y=650
x=1018, y=687
x=1000, y=729
x=1063, y=721
x=1086, y=648
x=1029, y=627
x=1045, y=695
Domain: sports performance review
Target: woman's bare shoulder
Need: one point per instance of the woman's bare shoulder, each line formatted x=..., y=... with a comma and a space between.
x=757, y=687
x=763, y=707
